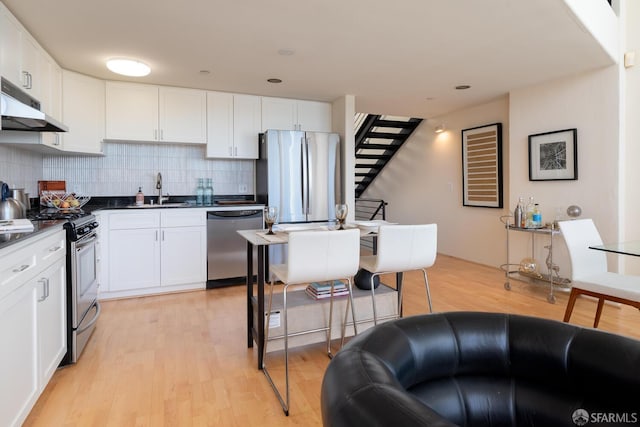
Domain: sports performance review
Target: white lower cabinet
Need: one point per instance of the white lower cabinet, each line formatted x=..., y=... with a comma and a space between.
x=32, y=322
x=155, y=251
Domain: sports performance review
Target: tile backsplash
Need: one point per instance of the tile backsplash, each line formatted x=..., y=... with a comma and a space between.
x=20, y=168
x=127, y=166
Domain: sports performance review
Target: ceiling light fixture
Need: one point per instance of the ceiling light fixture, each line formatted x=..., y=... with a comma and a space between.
x=462, y=87
x=128, y=67
x=440, y=128
x=286, y=52
x=274, y=80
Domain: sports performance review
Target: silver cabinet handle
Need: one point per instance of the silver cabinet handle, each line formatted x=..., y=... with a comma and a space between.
x=156, y=235
x=155, y=134
x=161, y=134
x=21, y=268
x=30, y=81
x=25, y=80
x=163, y=235
x=45, y=289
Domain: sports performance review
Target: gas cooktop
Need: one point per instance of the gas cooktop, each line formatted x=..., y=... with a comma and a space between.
x=53, y=214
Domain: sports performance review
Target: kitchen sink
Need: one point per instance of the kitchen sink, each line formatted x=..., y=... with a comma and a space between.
x=164, y=205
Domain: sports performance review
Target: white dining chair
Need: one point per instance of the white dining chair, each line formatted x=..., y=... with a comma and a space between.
x=313, y=256
x=402, y=248
x=589, y=273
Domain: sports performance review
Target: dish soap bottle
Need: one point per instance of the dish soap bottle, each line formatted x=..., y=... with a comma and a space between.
x=139, y=197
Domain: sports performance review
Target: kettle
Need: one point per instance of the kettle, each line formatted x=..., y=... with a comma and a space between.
x=10, y=208
x=21, y=196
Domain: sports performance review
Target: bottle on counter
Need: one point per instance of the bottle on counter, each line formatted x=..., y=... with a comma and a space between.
x=200, y=192
x=208, y=192
x=139, y=197
x=518, y=213
x=528, y=222
x=536, y=216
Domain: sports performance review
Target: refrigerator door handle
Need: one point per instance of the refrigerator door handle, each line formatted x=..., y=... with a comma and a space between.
x=305, y=175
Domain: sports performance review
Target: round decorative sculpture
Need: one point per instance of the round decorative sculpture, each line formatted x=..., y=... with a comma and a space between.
x=574, y=211
x=529, y=265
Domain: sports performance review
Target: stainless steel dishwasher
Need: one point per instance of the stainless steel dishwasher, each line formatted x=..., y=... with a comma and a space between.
x=226, y=249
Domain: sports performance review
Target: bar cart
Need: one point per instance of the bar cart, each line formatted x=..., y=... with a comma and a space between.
x=552, y=277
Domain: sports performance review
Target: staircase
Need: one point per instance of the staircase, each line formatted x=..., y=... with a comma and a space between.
x=377, y=140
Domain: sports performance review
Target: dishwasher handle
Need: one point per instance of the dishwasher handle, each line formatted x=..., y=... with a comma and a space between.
x=246, y=213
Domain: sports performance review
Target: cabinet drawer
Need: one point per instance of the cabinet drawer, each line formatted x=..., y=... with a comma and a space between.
x=51, y=249
x=17, y=266
x=133, y=220
x=183, y=218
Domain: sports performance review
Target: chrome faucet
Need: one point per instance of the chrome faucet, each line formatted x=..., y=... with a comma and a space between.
x=159, y=187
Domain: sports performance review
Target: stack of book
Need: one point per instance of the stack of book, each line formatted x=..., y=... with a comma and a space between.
x=323, y=290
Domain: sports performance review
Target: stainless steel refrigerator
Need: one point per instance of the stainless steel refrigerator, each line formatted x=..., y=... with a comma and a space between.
x=299, y=172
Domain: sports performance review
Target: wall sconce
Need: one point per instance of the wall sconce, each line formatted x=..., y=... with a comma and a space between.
x=440, y=128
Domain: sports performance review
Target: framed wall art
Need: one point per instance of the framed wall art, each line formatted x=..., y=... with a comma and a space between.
x=553, y=156
x=482, y=166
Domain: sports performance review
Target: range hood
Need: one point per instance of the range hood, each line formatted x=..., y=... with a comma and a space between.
x=21, y=112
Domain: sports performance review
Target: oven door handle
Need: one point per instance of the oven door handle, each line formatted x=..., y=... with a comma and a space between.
x=93, y=321
x=85, y=242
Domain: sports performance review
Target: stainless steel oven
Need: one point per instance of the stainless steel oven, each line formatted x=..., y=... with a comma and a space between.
x=83, y=308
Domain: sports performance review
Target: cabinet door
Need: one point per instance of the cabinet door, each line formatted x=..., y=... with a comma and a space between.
x=131, y=111
x=246, y=126
x=134, y=259
x=83, y=111
x=19, y=355
x=52, y=321
x=184, y=255
x=31, y=77
x=279, y=113
x=10, y=56
x=219, y=124
x=314, y=116
x=183, y=115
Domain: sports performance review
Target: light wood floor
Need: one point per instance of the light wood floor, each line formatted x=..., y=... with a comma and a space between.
x=182, y=360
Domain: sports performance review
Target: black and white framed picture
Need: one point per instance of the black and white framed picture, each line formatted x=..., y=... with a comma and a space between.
x=553, y=156
x=482, y=166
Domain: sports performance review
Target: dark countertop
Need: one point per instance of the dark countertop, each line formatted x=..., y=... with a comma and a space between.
x=108, y=203
x=39, y=227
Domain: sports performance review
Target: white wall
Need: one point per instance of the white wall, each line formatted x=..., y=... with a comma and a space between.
x=631, y=135
x=588, y=102
x=423, y=184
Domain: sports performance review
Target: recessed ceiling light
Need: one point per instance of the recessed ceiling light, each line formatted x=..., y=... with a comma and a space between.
x=274, y=80
x=462, y=87
x=286, y=52
x=128, y=67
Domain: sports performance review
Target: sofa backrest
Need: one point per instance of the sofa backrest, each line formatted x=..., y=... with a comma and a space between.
x=472, y=367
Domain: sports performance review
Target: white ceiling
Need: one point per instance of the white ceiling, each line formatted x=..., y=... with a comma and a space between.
x=400, y=57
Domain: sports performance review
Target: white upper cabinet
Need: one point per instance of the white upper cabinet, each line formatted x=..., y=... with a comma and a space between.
x=294, y=114
x=138, y=112
x=10, y=47
x=24, y=63
x=233, y=122
x=131, y=111
x=83, y=112
x=183, y=115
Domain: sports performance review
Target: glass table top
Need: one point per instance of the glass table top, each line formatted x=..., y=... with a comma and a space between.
x=624, y=248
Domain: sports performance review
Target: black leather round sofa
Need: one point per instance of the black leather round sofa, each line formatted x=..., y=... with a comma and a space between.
x=483, y=369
